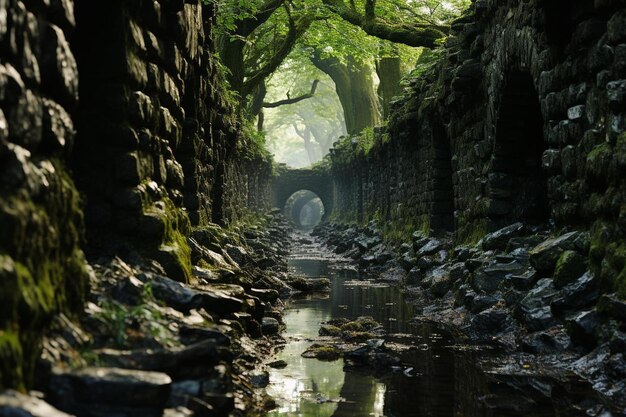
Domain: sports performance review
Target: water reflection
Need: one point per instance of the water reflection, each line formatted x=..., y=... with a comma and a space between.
x=434, y=381
x=308, y=387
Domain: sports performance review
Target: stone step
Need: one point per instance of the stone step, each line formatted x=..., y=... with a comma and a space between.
x=110, y=392
x=188, y=362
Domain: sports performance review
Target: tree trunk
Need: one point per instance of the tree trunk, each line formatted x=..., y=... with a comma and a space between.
x=389, y=74
x=355, y=88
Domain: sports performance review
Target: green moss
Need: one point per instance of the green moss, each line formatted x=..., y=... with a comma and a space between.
x=174, y=244
x=353, y=326
x=42, y=268
x=11, y=358
x=322, y=352
x=607, y=256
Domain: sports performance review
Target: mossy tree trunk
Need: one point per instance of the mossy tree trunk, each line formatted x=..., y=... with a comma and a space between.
x=355, y=88
x=389, y=74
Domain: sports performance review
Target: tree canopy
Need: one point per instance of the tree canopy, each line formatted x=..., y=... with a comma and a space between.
x=364, y=46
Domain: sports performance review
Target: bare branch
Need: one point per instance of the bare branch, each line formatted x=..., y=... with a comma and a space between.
x=295, y=99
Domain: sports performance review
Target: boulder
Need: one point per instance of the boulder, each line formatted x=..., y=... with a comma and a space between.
x=489, y=278
x=545, y=256
x=100, y=392
x=570, y=266
x=270, y=326
x=15, y=404
x=555, y=340
x=613, y=306
x=490, y=321
x=583, y=292
x=184, y=298
x=499, y=240
x=183, y=362
x=582, y=326
x=431, y=247
x=441, y=284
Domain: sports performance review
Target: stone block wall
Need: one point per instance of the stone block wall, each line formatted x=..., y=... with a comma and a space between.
x=116, y=138
x=158, y=141
x=523, y=119
x=42, y=266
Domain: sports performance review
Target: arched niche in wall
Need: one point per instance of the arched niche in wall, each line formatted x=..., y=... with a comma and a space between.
x=442, y=204
x=517, y=183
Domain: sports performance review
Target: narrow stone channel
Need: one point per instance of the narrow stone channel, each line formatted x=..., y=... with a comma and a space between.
x=423, y=385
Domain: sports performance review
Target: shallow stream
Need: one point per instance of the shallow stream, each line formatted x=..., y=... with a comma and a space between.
x=437, y=378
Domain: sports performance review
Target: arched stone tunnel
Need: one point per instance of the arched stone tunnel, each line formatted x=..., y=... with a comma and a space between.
x=289, y=181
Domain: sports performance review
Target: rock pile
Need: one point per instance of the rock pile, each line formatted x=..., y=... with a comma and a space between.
x=522, y=290
x=148, y=345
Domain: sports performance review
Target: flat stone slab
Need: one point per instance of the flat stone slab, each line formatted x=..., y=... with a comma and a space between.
x=113, y=391
x=14, y=404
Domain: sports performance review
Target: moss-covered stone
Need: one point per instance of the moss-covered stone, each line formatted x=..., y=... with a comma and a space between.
x=570, y=266
x=42, y=268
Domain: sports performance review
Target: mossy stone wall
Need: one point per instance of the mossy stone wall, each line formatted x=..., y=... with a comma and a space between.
x=502, y=62
x=42, y=266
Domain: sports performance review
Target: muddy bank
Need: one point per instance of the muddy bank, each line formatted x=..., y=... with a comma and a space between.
x=537, y=320
x=147, y=345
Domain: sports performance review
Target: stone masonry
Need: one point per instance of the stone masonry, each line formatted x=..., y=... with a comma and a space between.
x=153, y=150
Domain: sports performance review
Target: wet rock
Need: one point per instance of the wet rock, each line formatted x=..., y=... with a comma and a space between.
x=322, y=352
x=269, y=295
x=183, y=298
x=544, y=256
x=524, y=281
x=500, y=239
x=441, y=284
x=473, y=264
x=489, y=278
x=570, y=266
x=100, y=392
x=431, y=247
x=414, y=277
x=438, y=274
x=270, y=326
x=525, y=242
x=583, y=292
x=329, y=330
x=612, y=306
x=309, y=284
x=239, y=254
x=535, y=309
x=555, y=340
x=493, y=320
x=582, y=326
x=480, y=303
x=407, y=261
x=15, y=404
x=184, y=362
x=538, y=318
x=458, y=272
x=191, y=334
x=426, y=262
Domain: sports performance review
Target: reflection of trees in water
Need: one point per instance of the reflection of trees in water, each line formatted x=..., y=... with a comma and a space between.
x=362, y=396
x=382, y=303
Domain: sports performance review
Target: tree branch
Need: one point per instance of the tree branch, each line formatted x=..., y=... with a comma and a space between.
x=295, y=99
x=246, y=26
x=296, y=30
x=420, y=35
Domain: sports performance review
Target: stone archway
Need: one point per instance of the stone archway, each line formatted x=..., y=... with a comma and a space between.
x=305, y=209
x=517, y=183
x=290, y=181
